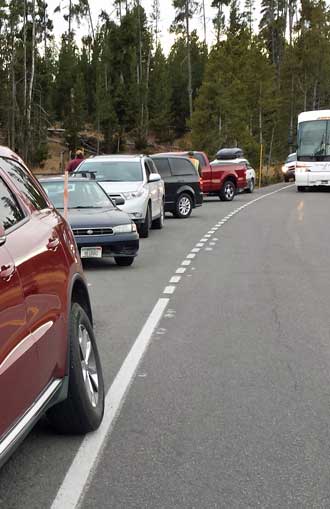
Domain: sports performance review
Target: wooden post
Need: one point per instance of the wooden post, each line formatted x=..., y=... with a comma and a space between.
x=66, y=194
x=260, y=163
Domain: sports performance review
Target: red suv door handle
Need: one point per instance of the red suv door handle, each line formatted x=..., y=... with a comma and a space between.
x=7, y=271
x=53, y=243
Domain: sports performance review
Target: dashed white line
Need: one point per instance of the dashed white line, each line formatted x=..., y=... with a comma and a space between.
x=169, y=290
x=180, y=270
x=186, y=262
x=191, y=256
x=175, y=279
x=195, y=250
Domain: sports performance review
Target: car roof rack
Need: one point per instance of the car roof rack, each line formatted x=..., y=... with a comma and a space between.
x=230, y=153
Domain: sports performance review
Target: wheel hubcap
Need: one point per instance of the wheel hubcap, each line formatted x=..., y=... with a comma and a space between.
x=184, y=206
x=229, y=191
x=88, y=365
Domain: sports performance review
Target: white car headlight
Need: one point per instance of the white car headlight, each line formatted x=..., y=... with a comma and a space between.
x=135, y=194
x=125, y=228
x=284, y=169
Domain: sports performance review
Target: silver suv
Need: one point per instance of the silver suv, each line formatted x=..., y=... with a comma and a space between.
x=134, y=184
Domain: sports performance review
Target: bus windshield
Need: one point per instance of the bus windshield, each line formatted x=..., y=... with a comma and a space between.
x=314, y=141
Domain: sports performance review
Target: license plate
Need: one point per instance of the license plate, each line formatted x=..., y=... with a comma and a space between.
x=91, y=252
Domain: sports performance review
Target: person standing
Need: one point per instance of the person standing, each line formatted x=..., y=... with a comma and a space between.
x=74, y=163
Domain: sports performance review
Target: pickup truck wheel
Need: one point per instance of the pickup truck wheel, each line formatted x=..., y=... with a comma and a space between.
x=251, y=186
x=300, y=189
x=227, y=192
x=183, y=206
x=83, y=409
x=146, y=225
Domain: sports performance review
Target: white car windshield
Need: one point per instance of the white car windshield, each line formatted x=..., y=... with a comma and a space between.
x=114, y=171
x=84, y=195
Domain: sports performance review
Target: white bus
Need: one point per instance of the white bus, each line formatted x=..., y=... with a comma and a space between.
x=313, y=149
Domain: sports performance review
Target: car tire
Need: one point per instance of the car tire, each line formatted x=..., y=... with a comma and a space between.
x=251, y=186
x=301, y=189
x=146, y=225
x=228, y=191
x=124, y=261
x=158, y=223
x=83, y=409
x=183, y=206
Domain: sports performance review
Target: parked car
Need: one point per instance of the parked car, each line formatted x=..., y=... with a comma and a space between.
x=49, y=361
x=236, y=155
x=182, y=184
x=289, y=167
x=100, y=228
x=219, y=178
x=134, y=184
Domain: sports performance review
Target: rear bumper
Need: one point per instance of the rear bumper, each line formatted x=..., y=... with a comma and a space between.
x=114, y=245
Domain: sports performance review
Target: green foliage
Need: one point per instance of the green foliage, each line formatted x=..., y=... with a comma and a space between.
x=245, y=89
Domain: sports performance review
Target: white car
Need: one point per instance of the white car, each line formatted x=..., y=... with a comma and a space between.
x=134, y=184
x=289, y=167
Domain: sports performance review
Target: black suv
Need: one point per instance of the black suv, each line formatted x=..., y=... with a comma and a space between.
x=182, y=184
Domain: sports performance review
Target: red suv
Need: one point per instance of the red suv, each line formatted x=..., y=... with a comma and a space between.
x=49, y=360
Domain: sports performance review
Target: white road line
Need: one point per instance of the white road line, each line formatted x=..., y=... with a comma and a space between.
x=212, y=244
x=215, y=239
x=175, y=279
x=180, y=270
x=209, y=249
x=169, y=290
x=191, y=256
x=203, y=239
x=89, y=453
x=200, y=244
x=186, y=263
x=196, y=250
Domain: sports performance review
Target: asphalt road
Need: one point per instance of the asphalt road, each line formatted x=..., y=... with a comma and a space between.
x=230, y=407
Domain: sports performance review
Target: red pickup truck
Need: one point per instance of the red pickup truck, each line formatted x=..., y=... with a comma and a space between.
x=220, y=178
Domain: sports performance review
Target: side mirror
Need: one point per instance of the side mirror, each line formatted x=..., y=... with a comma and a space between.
x=154, y=177
x=118, y=201
x=2, y=235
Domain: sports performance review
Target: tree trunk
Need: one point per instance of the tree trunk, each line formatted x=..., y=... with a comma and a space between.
x=291, y=114
x=271, y=148
x=70, y=17
x=204, y=21
x=91, y=19
x=147, y=90
x=13, y=100
x=24, y=116
x=190, y=92
x=31, y=84
x=314, y=95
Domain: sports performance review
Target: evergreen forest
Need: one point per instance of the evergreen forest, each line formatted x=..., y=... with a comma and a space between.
x=243, y=87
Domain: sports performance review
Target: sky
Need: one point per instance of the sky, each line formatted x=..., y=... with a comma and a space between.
x=167, y=15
